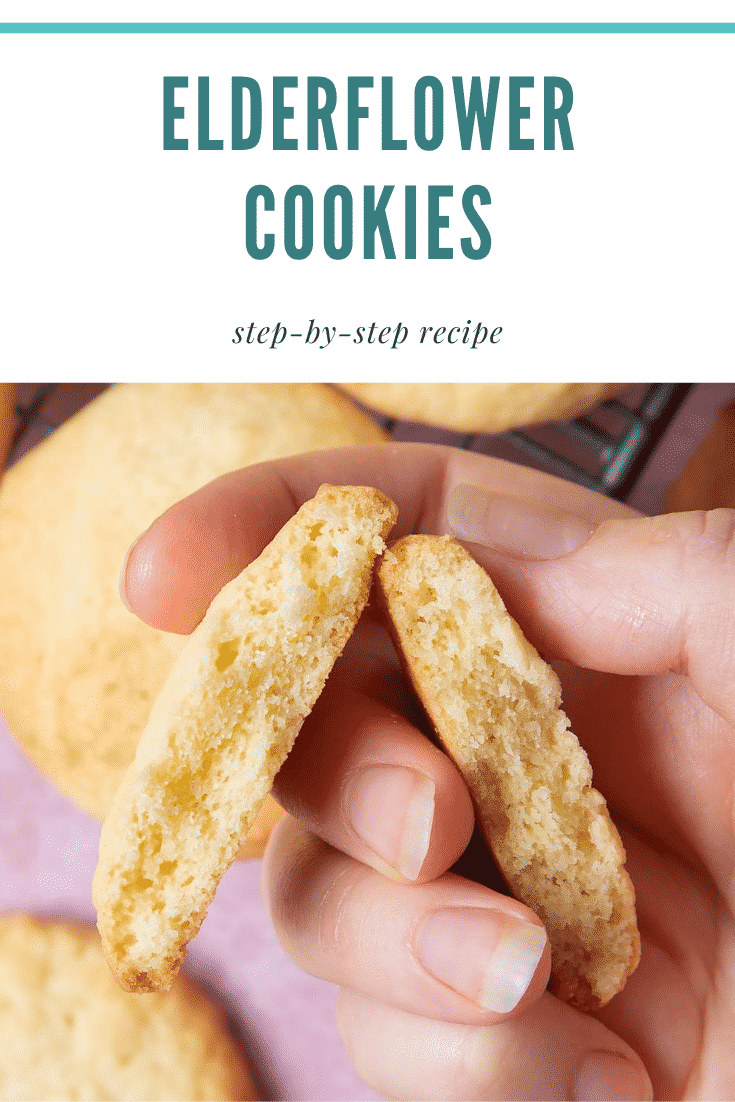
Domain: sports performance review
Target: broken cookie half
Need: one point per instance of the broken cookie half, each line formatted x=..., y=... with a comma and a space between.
x=495, y=706
x=223, y=725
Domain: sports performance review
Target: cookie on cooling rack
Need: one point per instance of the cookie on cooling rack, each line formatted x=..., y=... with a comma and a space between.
x=481, y=407
x=495, y=705
x=69, y=1032
x=223, y=725
x=78, y=672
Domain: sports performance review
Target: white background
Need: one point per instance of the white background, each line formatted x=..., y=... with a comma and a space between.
x=122, y=260
x=378, y=10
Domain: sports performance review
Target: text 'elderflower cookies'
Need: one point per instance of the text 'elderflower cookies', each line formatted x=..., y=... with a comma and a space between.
x=223, y=725
x=494, y=704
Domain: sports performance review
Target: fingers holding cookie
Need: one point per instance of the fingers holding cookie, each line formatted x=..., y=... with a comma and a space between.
x=174, y=570
x=448, y=948
x=387, y=786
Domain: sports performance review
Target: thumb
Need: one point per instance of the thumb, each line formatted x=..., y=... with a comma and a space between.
x=644, y=595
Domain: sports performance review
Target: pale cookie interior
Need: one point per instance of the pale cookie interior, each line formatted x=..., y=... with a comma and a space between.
x=495, y=705
x=224, y=724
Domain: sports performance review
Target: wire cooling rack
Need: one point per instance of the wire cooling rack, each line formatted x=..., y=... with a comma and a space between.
x=605, y=450
x=617, y=440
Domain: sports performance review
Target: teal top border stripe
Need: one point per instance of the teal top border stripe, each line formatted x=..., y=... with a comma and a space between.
x=367, y=28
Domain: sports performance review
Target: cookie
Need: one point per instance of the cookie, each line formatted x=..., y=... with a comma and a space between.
x=78, y=672
x=481, y=407
x=70, y=1033
x=495, y=706
x=223, y=725
x=7, y=420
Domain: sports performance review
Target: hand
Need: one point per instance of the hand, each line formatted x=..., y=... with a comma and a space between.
x=443, y=979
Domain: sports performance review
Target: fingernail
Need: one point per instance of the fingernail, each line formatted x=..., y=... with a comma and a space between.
x=122, y=581
x=610, y=1075
x=485, y=956
x=516, y=525
x=391, y=808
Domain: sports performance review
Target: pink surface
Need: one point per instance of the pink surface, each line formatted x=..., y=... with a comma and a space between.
x=48, y=852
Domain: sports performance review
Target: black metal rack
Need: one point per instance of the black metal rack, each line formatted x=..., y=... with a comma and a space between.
x=606, y=449
x=619, y=457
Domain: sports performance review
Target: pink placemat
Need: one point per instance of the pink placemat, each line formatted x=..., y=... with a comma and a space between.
x=48, y=853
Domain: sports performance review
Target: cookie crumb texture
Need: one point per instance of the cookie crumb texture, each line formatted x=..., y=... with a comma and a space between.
x=69, y=1033
x=223, y=725
x=495, y=705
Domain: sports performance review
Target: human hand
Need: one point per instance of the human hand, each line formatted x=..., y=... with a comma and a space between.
x=443, y=979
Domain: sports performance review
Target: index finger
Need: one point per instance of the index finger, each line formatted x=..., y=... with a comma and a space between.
x=176, y=568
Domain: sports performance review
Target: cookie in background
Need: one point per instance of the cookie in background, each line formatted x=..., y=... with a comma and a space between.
x=481, y=407
x=78, y=672
x=70, y=1033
